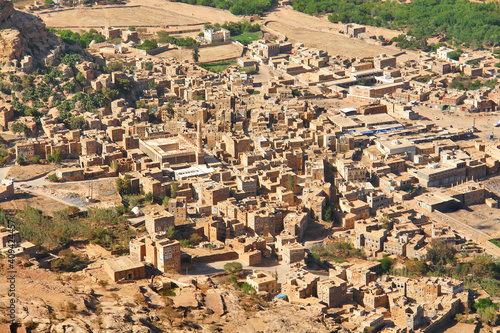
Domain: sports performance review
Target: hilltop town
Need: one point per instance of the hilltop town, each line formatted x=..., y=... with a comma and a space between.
x=220, y=177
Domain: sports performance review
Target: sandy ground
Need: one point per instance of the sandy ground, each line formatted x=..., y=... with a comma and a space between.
x=104, y=191
x=33, y=284
x=313, y=31
x=319, y=33
x=295, y=18
x=480, y=217
x=100, y=17
x=458, y=119
x=23, y=172
x=33, y=200
x=207, y=54
x=151, y=13
x=20, y=4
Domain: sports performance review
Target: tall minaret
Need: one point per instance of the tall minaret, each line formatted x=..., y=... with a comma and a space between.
x=200, y=155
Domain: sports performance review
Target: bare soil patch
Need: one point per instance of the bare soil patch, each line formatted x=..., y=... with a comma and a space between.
x=207, y=54
x=47, y=205
x=24, y=172
x=480, y=217
x=103, y=190
x=115, y=16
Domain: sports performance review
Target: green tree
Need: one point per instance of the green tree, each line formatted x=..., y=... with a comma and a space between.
x=248, y=289
x=417, y=267
x=36, y=159
x=77, y=123
x=20, y=128
x=233, y=267
x=148, y=45
x=329, y=212
x=170, y=109
x=455, y=55
x=483, y=303
x=488, y=315
x=440, y=252
x=196, y=52
x=53, y=177
x=165, y=201
x=171, y=232
x=20, y=160
x=195, y=239
x=114, y=66
x=386, y=263
x=386, y=222
x=131, y=28
x=148, y=197
x=110, y=94
x=123, y=85
x=114, y=165
x=81, y=79
x=56, y=155
x=123, y=185
x=174, y=188
x=290, y=183
x=186, y=243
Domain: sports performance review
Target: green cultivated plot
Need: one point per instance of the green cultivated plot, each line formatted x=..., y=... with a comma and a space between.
x=217, y=67
x=247, y=37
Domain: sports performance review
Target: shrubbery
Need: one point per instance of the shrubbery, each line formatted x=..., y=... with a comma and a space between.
x=422, y=18
x=101, y=226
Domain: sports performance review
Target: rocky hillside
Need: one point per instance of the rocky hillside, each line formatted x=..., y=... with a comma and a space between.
x=47, y=302
x=22, y=34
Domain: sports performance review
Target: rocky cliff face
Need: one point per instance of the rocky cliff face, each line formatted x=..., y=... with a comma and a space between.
x=6, y=9
x=22, y=34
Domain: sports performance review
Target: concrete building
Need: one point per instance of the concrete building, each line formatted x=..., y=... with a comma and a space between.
x=213, y=36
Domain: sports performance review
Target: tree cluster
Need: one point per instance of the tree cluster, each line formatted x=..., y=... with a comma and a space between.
x=468, y=23
x=82, y=40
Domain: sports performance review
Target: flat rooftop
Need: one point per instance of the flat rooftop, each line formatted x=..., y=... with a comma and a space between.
x=169, y=146
x=123, y=264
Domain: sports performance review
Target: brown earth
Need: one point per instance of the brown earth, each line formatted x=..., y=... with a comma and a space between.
x=313, y=31
x=114, y=16
x=33, y=200
x=207, y=54
x=24, y=172
x=103, y=190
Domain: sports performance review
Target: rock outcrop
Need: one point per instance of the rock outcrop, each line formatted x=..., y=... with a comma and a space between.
x=23, y=37
x=6, y=9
